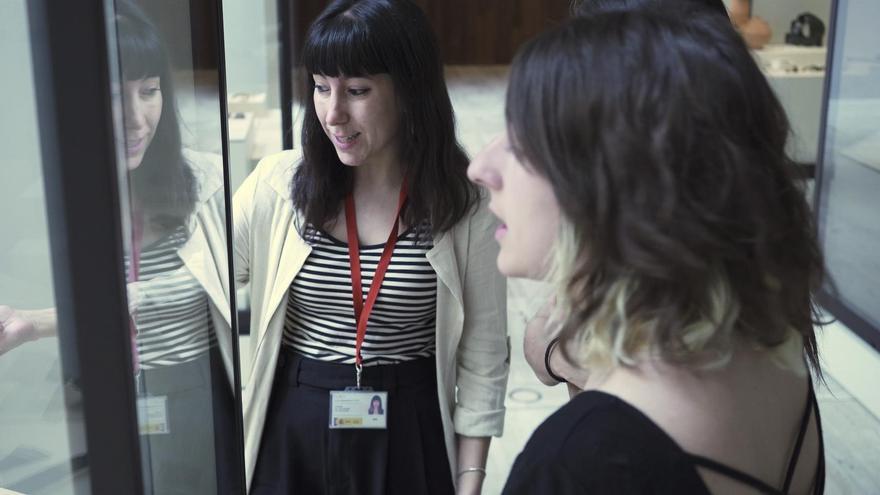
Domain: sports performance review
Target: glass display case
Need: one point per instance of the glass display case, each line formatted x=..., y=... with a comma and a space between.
x=118, y=343
x=847, y=200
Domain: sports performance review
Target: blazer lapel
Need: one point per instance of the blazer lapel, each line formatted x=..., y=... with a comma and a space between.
x=199, y=259
x=294, y=252
x=443, y=261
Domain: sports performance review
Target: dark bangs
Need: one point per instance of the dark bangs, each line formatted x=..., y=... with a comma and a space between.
x=141, y=52
x=527, y=89
x=342, y=45
x=549, y=131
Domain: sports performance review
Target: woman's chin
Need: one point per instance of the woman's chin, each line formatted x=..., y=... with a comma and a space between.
x=133, y=162
x=511, y=267
x=348, y=159
x=525, y=269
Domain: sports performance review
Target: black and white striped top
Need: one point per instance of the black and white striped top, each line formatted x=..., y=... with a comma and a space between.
x=320, y=319
x=171, y=307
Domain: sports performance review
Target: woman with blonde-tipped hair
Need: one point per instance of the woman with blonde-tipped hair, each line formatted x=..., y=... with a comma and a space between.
x=644, y=172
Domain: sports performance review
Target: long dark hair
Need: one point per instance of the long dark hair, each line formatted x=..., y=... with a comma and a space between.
x=665, y=147
x=164, y=183
x=364, y=37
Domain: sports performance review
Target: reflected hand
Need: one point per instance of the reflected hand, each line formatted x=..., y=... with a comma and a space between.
x=134, y=297
x=15, y=329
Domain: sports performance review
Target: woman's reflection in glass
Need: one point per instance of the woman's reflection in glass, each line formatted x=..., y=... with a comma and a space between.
x=178, y=274
x=178, y=282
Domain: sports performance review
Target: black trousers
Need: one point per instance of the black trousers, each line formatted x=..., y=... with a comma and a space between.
x=300, y=454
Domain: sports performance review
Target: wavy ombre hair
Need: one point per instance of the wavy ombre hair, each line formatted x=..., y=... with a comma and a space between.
x=683, y=223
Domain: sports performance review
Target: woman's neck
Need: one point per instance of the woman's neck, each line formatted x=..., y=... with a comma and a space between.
x=378, y=178
x=376, y=198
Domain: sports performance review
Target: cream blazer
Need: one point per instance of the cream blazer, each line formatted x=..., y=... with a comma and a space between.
x=471, y=333
x=205, y=252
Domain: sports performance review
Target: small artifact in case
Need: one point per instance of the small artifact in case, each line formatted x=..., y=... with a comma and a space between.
x=806, y=30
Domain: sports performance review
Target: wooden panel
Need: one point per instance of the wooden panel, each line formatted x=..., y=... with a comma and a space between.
x=469, y=32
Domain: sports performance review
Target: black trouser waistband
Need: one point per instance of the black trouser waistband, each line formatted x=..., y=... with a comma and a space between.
x=295, y=369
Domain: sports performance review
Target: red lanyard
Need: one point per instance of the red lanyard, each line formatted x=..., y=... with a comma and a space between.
x=134, y=268
x=362, y=309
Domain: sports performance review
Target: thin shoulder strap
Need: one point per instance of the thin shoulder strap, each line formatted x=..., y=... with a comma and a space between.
x=742, y=477
x=799, y=443
x=819, y=480
x=736, y=474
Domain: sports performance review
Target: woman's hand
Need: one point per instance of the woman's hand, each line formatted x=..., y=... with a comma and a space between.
x=15, y=329
x=756, y=32
x=470, y=483
x=539, y=333
x=472, y=454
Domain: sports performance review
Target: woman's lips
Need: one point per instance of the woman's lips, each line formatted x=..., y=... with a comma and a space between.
x=346, y=142
x=500, y=232
x=134, y=147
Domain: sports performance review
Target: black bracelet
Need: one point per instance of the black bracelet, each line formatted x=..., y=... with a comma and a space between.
x=547, y=361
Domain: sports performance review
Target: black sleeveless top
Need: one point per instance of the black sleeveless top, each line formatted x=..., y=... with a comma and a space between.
x=598, y=443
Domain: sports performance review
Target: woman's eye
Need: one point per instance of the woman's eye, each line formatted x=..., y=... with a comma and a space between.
x=149, y=92
x=321, y=89
x=358, y=91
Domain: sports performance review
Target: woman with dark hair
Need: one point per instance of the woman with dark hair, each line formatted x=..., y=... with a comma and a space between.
x=165, y=186
x=376, y=405
x=177, y=282
x=369, y=257
x=646, y=153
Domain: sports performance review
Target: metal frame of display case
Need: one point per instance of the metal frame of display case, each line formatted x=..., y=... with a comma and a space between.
x=72, y=74
x=234, y=332
x=828, y=297
x=285, y=69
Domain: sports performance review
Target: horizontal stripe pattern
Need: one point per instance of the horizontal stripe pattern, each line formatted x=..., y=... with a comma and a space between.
x=172, y=316
x=320, y=319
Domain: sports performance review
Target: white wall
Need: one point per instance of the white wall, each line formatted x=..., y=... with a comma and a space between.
x=251, y=35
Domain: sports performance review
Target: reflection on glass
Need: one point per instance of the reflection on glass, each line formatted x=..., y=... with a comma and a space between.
x=177, y=271
x=849, y=216
x=250, y=30
x=251, y=34
x=42, y=437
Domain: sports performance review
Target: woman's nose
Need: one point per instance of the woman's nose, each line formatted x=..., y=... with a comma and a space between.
x=483, y=168
x=337, y=112
x=133, y=112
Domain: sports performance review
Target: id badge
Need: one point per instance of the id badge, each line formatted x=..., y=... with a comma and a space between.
x=153, y=415
x=358, y=408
